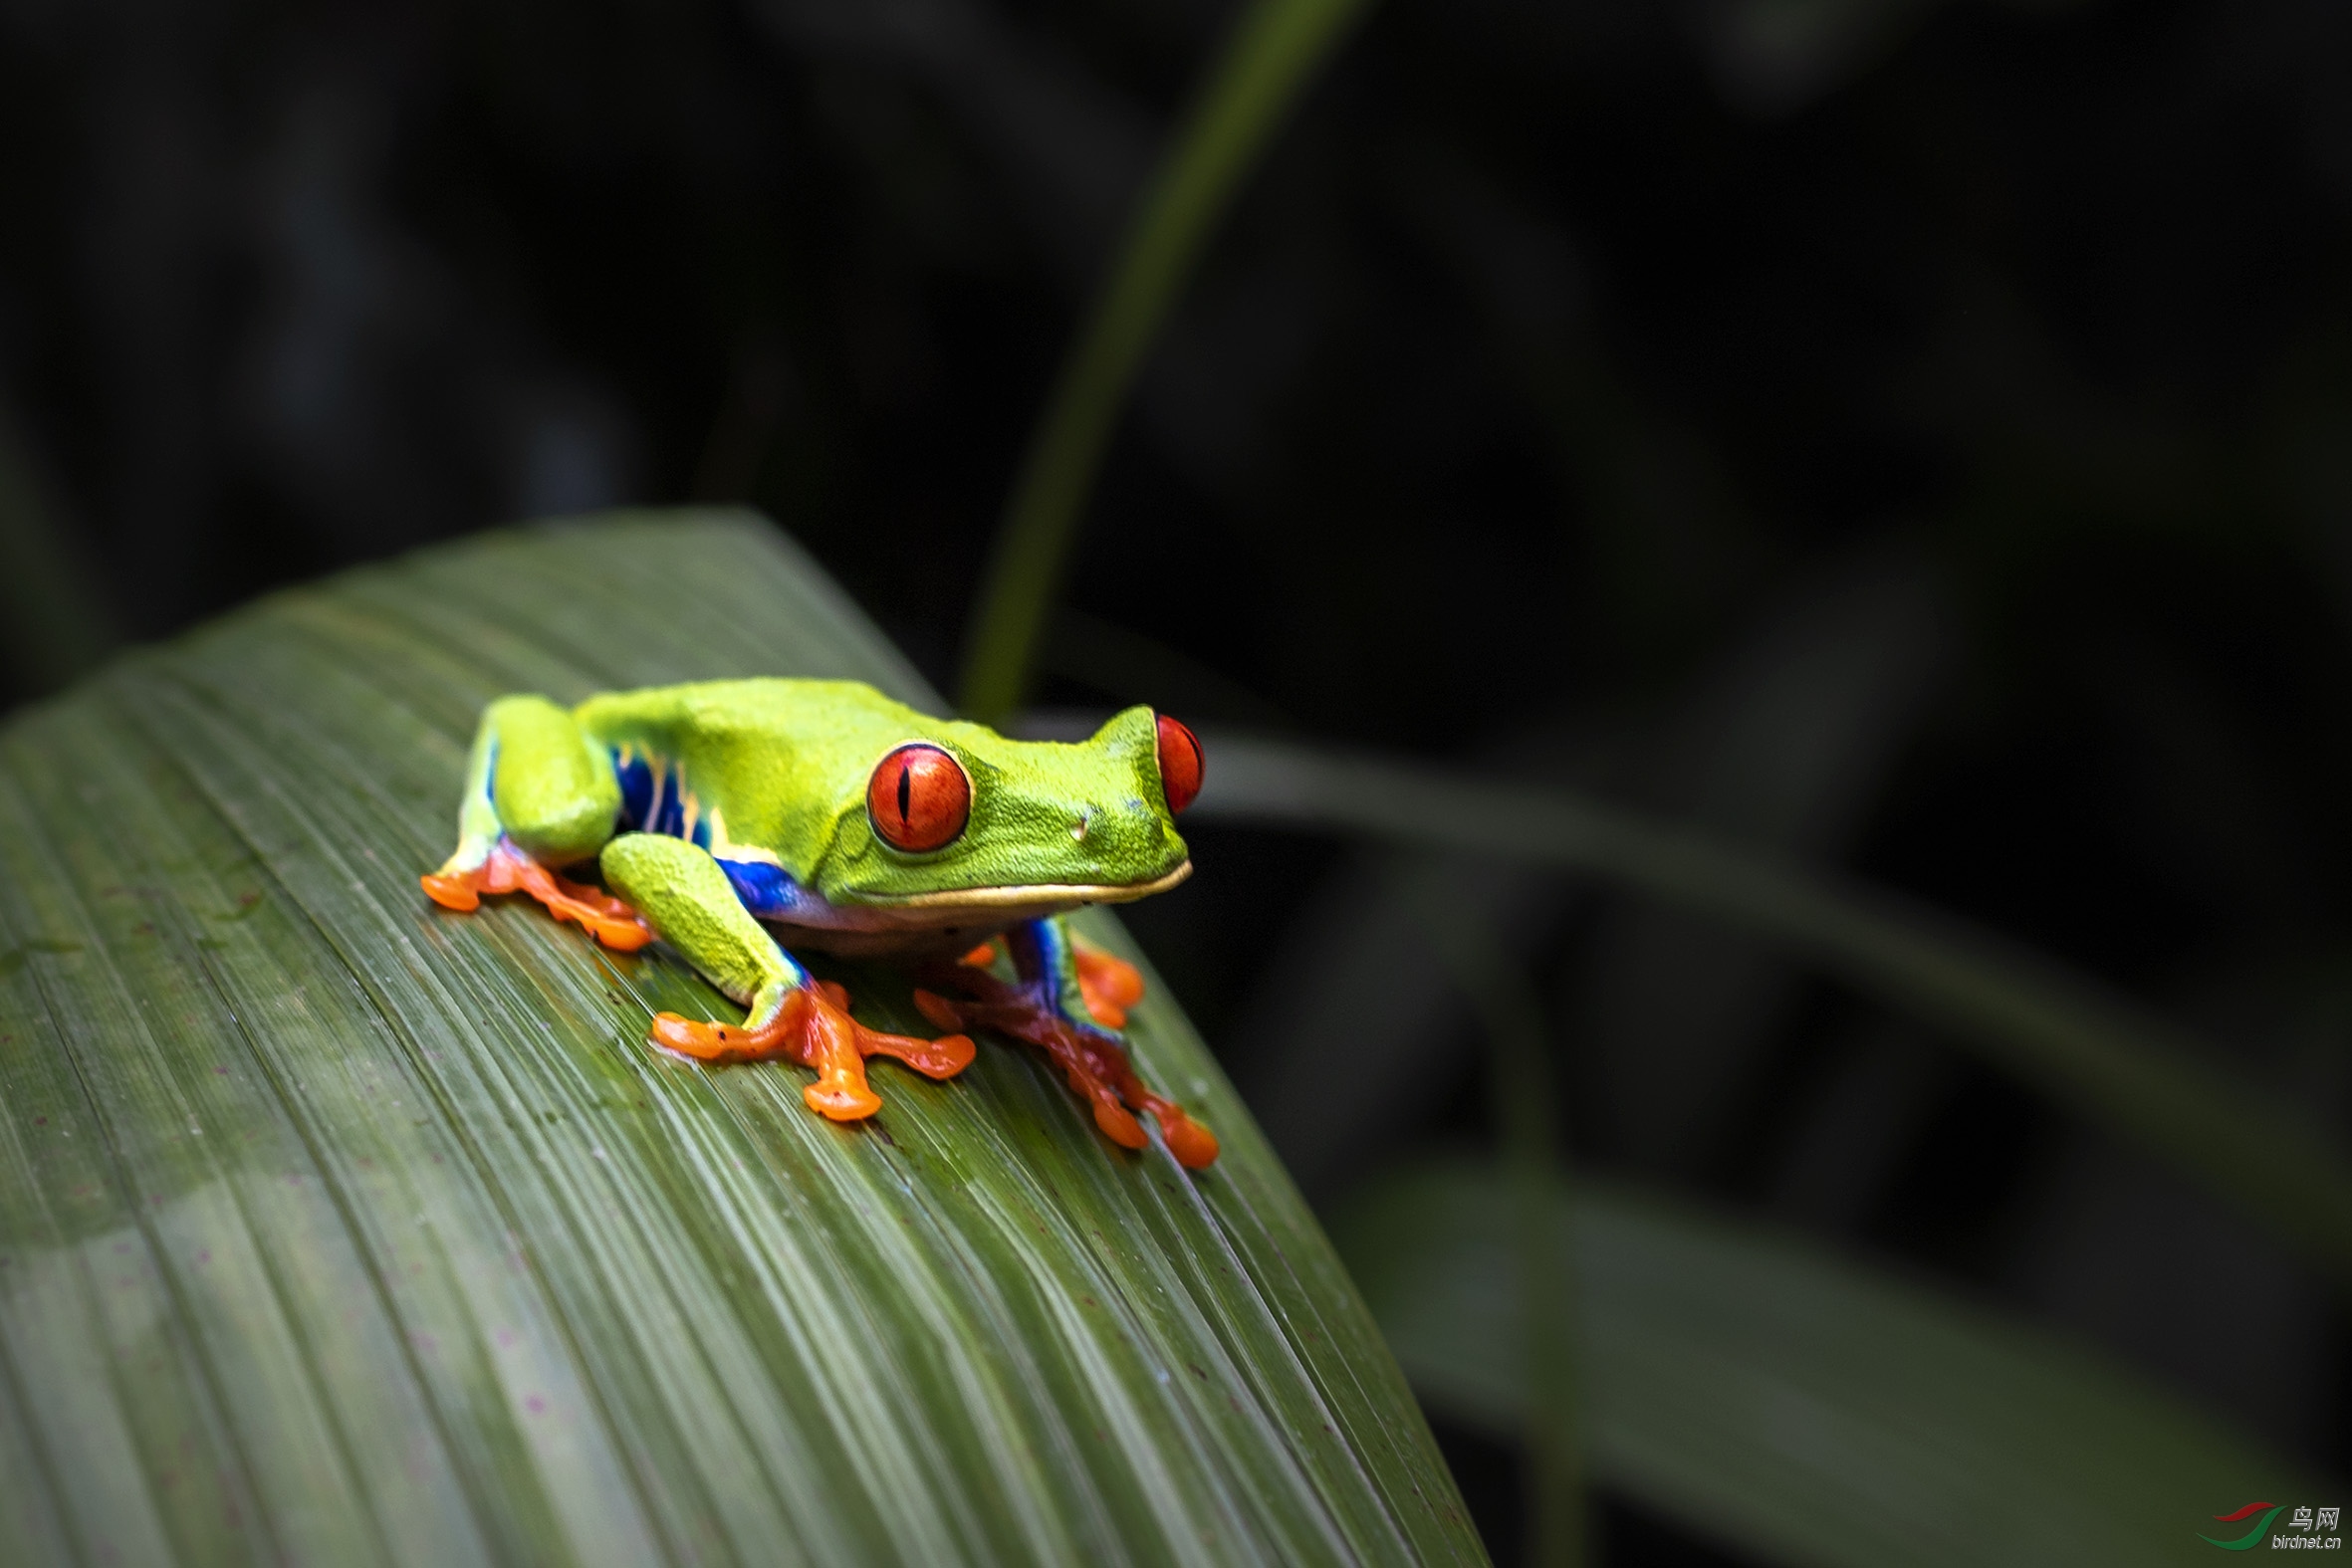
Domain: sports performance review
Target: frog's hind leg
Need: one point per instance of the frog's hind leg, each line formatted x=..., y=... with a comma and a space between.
x=537, y=793
x=1109, y=983
x=791, y=1014
x=1049, y=1007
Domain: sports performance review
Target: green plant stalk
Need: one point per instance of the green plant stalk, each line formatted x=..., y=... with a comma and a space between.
x=1273, y=54
x=2068, y=1037
x=1523, y=1099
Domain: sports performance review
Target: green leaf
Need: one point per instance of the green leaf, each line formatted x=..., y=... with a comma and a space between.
x=2088, y=1050
x=1799, y=1407
x=338, y=1228
x=1267, y=63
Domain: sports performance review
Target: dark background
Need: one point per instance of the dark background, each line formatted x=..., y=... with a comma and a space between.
x=1911, y=435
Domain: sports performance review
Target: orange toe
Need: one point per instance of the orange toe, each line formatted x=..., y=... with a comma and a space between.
x=1194, y=1146
x=717, y=1042
x=603, y=916
x=841, y=1102
x=828, y=1039
x=943, y=1058
x=451, y=892
x=1110, y=984
x=942, y=1013
x=1119, y=1123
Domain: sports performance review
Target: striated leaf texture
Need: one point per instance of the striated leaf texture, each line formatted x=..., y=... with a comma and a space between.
x=334, y=1228
x=1800, y=1407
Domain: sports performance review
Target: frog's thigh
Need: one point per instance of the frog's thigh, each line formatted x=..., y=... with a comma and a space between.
x=554, y=788
x=680, y=888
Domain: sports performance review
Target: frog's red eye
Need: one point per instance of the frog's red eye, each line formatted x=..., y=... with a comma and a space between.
x=1180, y=764
x=919, y=798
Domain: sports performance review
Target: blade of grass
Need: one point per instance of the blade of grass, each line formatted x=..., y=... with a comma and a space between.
x=1524, y=1103
x=1799, y=1407
x=1273, y=54
x=2092, y=1051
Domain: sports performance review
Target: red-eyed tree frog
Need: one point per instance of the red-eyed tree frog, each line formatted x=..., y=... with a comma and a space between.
x=727, y=814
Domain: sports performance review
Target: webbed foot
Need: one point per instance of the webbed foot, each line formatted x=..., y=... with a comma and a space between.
x=1095, y=1065
x=812, y=1026
x=508, y=870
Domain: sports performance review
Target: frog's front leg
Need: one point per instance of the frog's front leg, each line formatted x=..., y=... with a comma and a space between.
x=691, y=903
x=538, y=793
x=1059, y=986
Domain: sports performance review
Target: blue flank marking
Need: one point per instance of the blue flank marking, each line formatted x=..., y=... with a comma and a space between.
x=670, y=807
x=637, y=790
x=653, y=801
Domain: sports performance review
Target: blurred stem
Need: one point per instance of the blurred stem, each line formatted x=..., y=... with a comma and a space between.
x=1273, y=54
x=2070, y=1037
x=54, y=622
x=1525, y=1103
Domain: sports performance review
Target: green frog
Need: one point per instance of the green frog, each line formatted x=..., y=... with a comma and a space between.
x=738, y=819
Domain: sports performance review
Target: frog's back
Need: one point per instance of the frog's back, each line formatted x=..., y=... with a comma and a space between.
x=776, y=708
x=771, y=763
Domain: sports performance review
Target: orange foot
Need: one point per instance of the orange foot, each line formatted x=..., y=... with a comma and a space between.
x=508, y=871
x=1093, y=1062
x=813, y=1028
x=1110, y=984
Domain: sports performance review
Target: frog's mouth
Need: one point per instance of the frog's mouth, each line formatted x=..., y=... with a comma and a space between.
x=947, y=922
x=1053, y=895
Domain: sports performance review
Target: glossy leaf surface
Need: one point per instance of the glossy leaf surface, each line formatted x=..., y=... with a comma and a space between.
x=1800, y=1407
x=338, y=1228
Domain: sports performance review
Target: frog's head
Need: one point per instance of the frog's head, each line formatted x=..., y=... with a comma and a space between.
x=960, y=820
